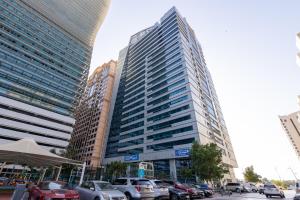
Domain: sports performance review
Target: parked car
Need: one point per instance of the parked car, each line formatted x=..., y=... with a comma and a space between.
x=253, y=187
x=160, y=189
x=261, y=189
x=96, y=190
x=191, y=190
x=234, y=187
x=208, y=192
x=246, y=187
x=174, y=193
x=271, y=190
x=297, y=188
x=52, y=190
x=297, y=197
x=135, y=188
x=4, y=181
x=14, y=182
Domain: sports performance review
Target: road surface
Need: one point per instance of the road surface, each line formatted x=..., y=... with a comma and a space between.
x=289, y=194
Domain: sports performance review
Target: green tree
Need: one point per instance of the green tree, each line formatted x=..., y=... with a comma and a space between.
x=280, y=183
x=264, y=180
x=186, y=173
x=207, y=162
x=116, y=169
x=67, y=168
x=161, y=175
x=250, y=175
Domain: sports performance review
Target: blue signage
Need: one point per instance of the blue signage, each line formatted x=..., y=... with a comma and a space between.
x=141, y=173
x=182, y=152
x=133, y=157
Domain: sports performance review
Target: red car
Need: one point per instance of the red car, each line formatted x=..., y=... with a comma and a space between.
x=48, y=190
x=193, y=192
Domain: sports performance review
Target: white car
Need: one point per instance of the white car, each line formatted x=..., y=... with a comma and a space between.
x=234, y=187
x=99, y=190
x=271, y=190
x=250, y=187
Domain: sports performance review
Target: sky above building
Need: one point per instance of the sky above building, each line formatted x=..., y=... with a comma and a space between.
x=250, y=49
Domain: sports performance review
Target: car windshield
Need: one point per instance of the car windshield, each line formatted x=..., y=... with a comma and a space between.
x=202, y=186
x=104, y=186
x=52, y=186
x=233, y=184
x=141, y=182
x=270, y=186
x=159, y=182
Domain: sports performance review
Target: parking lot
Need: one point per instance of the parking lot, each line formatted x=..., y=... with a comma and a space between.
x=289, y=194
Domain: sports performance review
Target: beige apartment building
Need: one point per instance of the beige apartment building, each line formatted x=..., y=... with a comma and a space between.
x=91, y=116
x=291, y=125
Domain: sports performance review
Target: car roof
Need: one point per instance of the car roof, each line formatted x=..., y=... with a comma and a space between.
x=61, y=182
x=100, y=181
x=134, y=178
x=270, y=184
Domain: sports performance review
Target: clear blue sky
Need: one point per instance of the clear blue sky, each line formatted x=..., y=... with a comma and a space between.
x=250, y=50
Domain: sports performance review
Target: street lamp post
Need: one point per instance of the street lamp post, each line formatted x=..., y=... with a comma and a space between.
x=293, y=173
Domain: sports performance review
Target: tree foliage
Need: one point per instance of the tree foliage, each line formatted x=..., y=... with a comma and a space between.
x=250, y=175
x=207, y=162
x=116, y=169
x=264, y=180
x=161, y=175
x=66, y=168
x=186, y=173
x=281, y=184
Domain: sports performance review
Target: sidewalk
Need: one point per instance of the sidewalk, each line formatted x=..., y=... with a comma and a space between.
x=5, y=196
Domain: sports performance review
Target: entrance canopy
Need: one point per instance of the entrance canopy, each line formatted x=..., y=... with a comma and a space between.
x=28, y=152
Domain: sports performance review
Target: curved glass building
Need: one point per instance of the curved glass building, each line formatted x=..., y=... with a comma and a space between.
x=45, y=53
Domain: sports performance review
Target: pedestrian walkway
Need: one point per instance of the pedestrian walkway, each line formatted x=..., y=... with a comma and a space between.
x=5, y=196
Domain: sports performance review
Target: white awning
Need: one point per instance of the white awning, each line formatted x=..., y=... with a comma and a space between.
x=28, y=152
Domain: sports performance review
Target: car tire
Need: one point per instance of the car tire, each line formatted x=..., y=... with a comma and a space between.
x=267, y=196
x=173, y=197
x=128, y=196
x=97, y=198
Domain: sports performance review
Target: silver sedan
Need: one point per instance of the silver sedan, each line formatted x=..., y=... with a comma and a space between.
x=99, y=190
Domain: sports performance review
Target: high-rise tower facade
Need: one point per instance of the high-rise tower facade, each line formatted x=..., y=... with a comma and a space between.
x=165, y=100
x=291, y=125
x=45, y=53
x=92, y=115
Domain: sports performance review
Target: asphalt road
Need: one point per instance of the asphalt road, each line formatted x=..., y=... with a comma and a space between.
x=255, y=196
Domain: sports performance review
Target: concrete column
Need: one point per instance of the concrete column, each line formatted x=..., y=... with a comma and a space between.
x=2, y=166
x=173, y=171
x=58, y=173
x=82, y=173
x=43, y=175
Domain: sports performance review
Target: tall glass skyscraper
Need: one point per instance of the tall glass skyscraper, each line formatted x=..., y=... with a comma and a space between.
x=45, y=53
x=165, y=100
